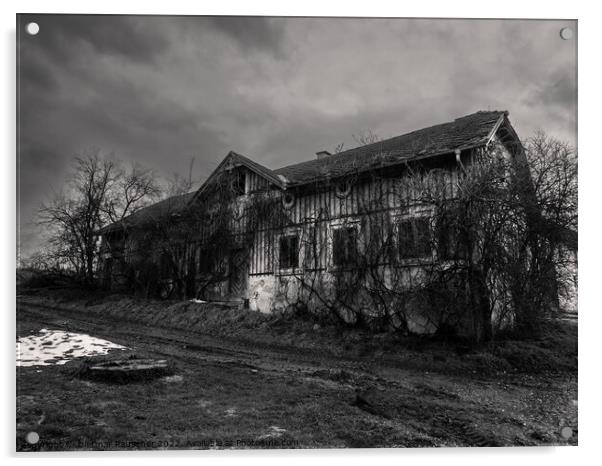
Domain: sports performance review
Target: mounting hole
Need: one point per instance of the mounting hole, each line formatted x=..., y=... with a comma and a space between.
x=566, y=33
x=566, y=433
x=32, y=28
x=32, y=438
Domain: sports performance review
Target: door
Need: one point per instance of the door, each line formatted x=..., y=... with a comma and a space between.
x=239, y=270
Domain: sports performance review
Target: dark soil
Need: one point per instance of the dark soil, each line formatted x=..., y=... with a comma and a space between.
x=246, y=380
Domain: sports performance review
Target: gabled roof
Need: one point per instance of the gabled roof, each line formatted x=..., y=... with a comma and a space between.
x=236, y=159
x=255, y=167
x=463, y=133
x=175, y=204
x=151, y=213
x=467, y=132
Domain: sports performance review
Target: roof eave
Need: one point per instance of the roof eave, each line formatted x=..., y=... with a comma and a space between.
x=243, y=161
x=273, y=178
x=482, y=143
x=500, y=121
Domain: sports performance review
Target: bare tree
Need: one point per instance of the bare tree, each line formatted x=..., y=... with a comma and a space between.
x=184, y=246
x=496, y=247
x=134, y=187
x=178, y=184
x=366, y=137
x=99, y=191
x=482, y=249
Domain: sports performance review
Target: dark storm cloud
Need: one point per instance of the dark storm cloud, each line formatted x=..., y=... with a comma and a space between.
x=252, y=32
x=558, y=91
x=127, y=36
x=35, y=74
x=159, y=90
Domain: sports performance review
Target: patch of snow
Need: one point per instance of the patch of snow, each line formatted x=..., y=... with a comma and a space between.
x=197, y=301
x=172, y=379
x=51, y=347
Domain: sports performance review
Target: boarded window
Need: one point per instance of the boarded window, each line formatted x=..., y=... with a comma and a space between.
x=289, y=251
x=414, y=238
x=344, y=246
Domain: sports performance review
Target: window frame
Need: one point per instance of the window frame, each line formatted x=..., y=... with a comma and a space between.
x=287, y=236
x=240, y=182
x=416, y=256
x=354, y=225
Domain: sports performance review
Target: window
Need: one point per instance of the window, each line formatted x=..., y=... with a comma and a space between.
x=211, y=260
x=344, y=246
x=205, y=261
x=289, y=252
x=414, y=238
x=238, y=182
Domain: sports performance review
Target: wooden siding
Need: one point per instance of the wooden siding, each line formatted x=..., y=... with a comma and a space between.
x=322, y=207
x=382, y=196
x=256, y=183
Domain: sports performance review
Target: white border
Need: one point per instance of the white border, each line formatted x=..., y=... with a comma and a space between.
x=590, y=323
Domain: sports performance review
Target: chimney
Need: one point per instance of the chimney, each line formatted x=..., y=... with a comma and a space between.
x=322, y=154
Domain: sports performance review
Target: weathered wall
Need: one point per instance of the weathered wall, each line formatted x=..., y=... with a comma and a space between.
x=314, y=213
x=281, y=292
x=262, y=293
x=367, y=203
x=324, y=205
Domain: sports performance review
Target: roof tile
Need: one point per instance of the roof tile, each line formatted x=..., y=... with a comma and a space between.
x=468, y=131
x=464, y=132
x=151, y=213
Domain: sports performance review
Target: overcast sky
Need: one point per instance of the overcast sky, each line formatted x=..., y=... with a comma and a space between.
x=159, y=90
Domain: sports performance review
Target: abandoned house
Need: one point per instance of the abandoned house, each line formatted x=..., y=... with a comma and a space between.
x=296, y=236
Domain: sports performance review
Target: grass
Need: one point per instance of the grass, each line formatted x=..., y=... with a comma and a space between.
x=555, y=350
x=249, y=380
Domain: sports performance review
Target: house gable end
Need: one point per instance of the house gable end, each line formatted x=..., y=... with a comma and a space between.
x=260, y=175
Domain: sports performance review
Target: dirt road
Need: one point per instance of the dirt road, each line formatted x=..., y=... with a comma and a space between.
x=230, y=393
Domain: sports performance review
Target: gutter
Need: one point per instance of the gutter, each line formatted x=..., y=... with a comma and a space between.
x=458, y=153
x=396, y=163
